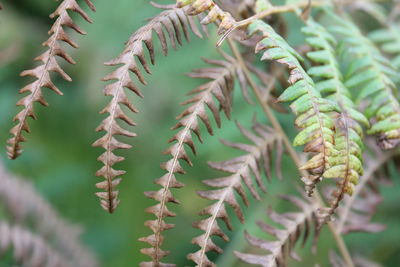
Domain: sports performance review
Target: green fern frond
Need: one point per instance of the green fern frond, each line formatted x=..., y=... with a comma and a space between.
x=256, y=161
x=375, y=74
x=346, y=161
x=388, y=39
x=314, y=113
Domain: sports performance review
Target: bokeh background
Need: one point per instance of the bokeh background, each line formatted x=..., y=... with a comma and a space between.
x=61, y=163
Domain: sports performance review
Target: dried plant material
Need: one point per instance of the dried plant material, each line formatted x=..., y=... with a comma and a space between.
x=375, y=75
x=172, y=22
x=346, y=161
x=314, y=114
x=226, y=23
x=220, y=86
x=297, y=227
x=28, y=248
x=26, y=207
x=41, y=73
x=257, y=160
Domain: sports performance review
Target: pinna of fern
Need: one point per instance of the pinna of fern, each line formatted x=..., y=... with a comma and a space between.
x=296, y=226
x=41, y=73
x=314, y=114
x=346, y=160
x=375, y=74
x=256, y=161
x=220, y=87
x=388, y=38
x=172, y=22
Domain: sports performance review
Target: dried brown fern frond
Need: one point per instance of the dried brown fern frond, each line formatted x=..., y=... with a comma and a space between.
x=296, y=226
x=41, y=73
x=257, y=160
x=226, y=23
x=26, y=207
x=28, y=248
x=220, y=86
x=172, y=22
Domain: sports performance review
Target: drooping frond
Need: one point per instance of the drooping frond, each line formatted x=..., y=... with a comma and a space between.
x=314, y=113
x=357, y=211
x=372, y=72
x=220, y=86
x=346, y=160
x=41, y=73
x=256, y=161
x=388, y=38
x=172, y=22
x=28, y=248
x=25, y=207
x=296, y=226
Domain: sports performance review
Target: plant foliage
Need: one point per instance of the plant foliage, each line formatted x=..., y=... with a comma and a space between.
x=338, y=83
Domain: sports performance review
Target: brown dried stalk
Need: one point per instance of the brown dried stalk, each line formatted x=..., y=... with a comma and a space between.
x=41, y=73
x=296, y=226
x=172, y=22
x=240, y=169
x=26, y=207
x=220, y=87
x=28, y=248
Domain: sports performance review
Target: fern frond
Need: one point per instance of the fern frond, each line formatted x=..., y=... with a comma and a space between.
x=220, y=87
x=28, y=248
x=256, y=161
x=374, y=74
x=314, y=113
x=41, y=73
x=26, y=206
x=357, y=211
x=296, y=226
x=388, y=38
x=346, y=161
x=172, y=22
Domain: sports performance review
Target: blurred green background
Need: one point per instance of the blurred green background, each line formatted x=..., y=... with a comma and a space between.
x=59, y=159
